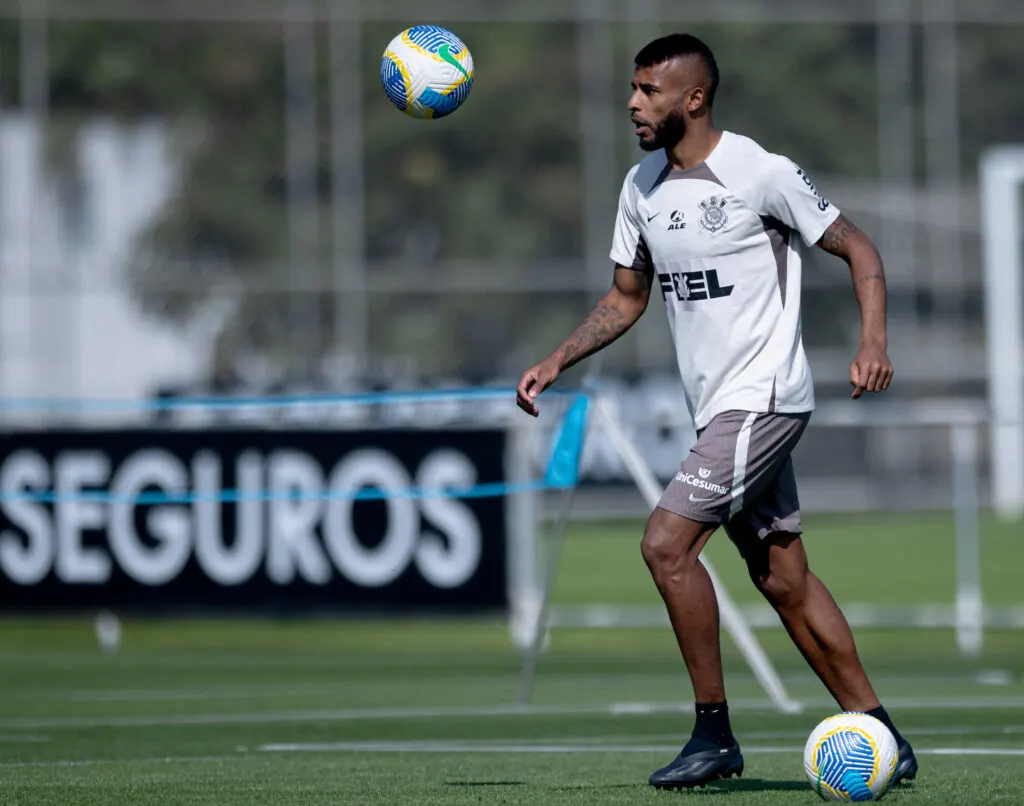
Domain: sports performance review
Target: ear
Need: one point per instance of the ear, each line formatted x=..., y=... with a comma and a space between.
x=695, y=100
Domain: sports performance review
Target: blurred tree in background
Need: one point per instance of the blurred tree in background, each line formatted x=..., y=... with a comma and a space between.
x=495, y=188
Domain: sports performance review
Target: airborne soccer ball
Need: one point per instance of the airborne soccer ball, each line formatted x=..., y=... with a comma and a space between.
x=427, y=71
x=850, y=757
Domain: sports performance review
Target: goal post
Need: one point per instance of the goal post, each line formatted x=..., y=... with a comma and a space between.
x=1001, y=177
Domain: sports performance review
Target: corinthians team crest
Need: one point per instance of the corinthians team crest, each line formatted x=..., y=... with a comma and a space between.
x=713, y=216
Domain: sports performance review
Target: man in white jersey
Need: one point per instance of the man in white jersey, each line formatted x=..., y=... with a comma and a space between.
x=719, y=225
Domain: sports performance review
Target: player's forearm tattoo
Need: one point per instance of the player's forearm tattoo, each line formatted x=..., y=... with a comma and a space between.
x=860, y=280
x=605, y=323
x=835, y=237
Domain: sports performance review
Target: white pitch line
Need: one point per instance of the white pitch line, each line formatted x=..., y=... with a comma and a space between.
x=801, y=734
x=461, y=748
x=326, y=688
x=337, y=715
x=173, y=695
x=972, y=751
x=457, y=747
x=963, y=730
x=314, y=688
x=371, y=714
x=94, y=762
x=537, y=749
x=317, y=689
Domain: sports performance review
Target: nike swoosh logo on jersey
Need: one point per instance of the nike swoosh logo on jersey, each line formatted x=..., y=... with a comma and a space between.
x=700, y=500
x=445, y=52
x=650, y=218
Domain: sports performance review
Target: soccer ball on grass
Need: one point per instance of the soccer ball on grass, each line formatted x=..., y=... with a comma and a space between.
x=850, y=757
x=427, y=72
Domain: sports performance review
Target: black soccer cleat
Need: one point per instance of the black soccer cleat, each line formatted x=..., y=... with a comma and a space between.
x=699, y=768
x=906, y=765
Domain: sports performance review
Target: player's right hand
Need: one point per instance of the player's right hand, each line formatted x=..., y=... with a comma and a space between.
x=534, y=381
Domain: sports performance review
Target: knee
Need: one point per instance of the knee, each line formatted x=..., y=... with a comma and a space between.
x=661, y=550
x=781, y=575
x=654, y=549
x=672, y=544
x=784, y=590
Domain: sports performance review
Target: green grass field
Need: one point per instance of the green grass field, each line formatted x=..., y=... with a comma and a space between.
x=423, y=712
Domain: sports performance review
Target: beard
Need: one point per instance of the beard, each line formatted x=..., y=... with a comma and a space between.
x=666, y=133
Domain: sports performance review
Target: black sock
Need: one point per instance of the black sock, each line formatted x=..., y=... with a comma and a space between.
x=711, y=729
x=882, y=716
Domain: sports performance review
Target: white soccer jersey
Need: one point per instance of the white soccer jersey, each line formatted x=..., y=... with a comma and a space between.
x=721, y=240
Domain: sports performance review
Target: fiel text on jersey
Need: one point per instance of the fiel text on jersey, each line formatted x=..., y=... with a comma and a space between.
x=693, y=286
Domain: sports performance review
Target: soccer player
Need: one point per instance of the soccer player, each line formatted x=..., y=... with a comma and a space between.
x=718, y=225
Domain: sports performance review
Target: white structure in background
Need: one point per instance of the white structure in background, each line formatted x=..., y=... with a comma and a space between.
x=68, y=327
x=1002, y=174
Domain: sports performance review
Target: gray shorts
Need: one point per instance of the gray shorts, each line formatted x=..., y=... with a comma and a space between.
x=740, y=473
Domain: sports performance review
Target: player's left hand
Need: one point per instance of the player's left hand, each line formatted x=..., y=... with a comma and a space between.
x=871, y=370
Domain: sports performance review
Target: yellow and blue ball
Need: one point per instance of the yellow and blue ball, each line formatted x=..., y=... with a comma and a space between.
x=427, y=72
x=850, y=757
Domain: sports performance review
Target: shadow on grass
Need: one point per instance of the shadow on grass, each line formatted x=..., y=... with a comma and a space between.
x=756, y=785
x=567, y=788
x=592, y=787
x=733, y=785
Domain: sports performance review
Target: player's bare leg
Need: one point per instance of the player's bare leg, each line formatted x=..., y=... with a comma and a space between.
x=813, y=619
x=778, y=567
x=671, y=547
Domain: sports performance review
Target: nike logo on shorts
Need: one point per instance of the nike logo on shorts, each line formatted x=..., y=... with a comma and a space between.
x=701, y=500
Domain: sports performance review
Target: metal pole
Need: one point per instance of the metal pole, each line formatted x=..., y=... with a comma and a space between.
x=540, y=627
x=942, y=160
x=34, y=89
x=301, y=166
x=523, y=592
x=969, y=607
x=652, y=350
x=351, y=306
x=1002, y=171
x=597, y=136
x=894, y=61
x=644, y=20
x=3, y=359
